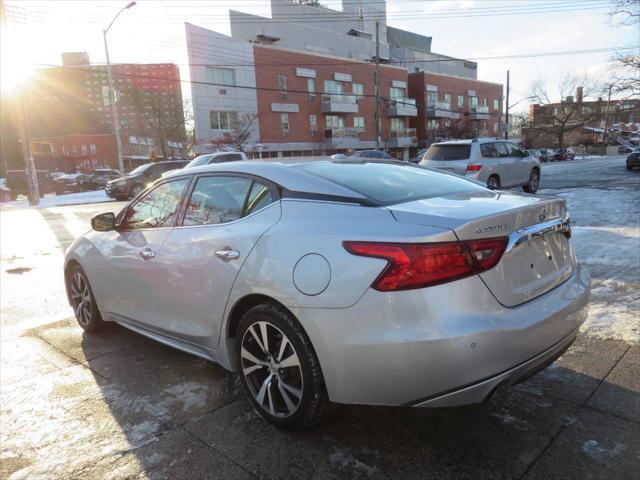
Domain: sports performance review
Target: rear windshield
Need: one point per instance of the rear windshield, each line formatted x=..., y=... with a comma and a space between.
x=448, y=152
x=387, y=183
x=201, y=160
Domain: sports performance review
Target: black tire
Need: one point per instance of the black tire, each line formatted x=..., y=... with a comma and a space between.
x=629, y=167
x=534, y=182
x=87, y=316
x=305, y=376
x=136, y=188
x=493, y=182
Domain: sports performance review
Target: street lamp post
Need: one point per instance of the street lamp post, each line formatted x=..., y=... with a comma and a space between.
x=112, y=100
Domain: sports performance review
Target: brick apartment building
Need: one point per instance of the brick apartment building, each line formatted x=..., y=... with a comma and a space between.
x=72, y=153
x=455, y=107
x=74, y=100
x=329, y=105
x=311, y=85
x=586, y=122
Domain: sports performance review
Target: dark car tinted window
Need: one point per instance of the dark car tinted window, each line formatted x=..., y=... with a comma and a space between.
x=387, y=183
x=514, y=151
x=448, y=152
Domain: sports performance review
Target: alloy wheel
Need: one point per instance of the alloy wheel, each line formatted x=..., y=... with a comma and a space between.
x=81, y=299
x=271, y=369
x=534, y=181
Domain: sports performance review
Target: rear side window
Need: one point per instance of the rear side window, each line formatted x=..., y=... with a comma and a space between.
x=501, y=149
x=388, y=184
x=488, y=150
x=448, y=152
x=513, y=150
x=222, y=199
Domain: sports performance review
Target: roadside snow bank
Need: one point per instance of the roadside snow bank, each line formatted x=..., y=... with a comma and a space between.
x=96, y=196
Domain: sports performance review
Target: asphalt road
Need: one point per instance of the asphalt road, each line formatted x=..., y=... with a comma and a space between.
x=117, y=405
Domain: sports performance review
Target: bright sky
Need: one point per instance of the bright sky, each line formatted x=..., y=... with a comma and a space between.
x=153, y=31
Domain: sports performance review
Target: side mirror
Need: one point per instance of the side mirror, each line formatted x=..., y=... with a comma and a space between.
x=104, y=222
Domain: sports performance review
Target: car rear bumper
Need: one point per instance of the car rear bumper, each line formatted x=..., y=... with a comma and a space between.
x=446, y=345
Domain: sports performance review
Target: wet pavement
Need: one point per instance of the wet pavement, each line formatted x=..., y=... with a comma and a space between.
x=117, y=405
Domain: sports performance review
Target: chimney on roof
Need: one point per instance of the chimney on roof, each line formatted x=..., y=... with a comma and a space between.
x=579, y=95
x=417, y=69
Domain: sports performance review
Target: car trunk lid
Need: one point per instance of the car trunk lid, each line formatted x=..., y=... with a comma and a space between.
x=535, y=266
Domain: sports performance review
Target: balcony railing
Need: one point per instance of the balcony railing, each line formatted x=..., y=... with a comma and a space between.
x=441, y=110
x=402, y=107
x=404, y=137
x=479, y=112
x=341, y=132
x=336, y=103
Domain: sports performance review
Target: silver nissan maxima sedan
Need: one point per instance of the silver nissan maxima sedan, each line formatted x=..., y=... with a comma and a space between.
x=356, y=282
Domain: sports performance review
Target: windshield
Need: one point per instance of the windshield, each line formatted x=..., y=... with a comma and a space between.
x=448, y=152
x=139, y=170
x=196, y=162
x=387, y=183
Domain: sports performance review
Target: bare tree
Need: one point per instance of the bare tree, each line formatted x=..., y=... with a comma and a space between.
x=567, y=114
x=239, y=137
x=625, y=12
x=157, y=121
x=625, y=75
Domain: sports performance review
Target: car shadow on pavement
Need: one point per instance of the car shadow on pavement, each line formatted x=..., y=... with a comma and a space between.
x=148, y=408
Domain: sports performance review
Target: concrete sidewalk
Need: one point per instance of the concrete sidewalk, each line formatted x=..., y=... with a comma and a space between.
x=118, y=405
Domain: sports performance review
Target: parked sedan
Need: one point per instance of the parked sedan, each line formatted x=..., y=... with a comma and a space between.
x=74, y=182
x=101, y=176
x=345, y=281
x=140, y=178
x=633, y=159
x=563, y=154
x=546, y=155
x=496, y=163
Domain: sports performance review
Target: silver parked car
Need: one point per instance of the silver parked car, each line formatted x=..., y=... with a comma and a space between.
x=497, y=163
x=356, y=282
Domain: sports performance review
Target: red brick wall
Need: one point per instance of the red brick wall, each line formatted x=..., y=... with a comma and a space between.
x=453, y=86
x=325, y=67
x=105, y=155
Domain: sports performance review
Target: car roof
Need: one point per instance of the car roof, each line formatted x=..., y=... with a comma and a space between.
x=470, y=141
x=284, y=174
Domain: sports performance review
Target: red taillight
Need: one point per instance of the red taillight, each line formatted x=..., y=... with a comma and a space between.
x=426, y=264
x=473, y=167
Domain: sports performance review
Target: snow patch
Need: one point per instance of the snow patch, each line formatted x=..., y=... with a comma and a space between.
x=96, y=196
x=347, y=462
x=512, y=421
x=593, y=450
x=192, y=395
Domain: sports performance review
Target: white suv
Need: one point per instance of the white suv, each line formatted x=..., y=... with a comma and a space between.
x=498, y=163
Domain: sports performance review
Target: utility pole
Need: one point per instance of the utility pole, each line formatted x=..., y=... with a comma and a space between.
x=606, y=123
x=377, y=85
x=30, y=169
x=112, y=99
x=506, y=111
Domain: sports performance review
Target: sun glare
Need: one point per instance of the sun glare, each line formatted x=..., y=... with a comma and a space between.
x=15, y=69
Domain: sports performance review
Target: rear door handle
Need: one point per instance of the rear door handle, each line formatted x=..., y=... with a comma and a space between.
x=228, y=254
x=147, y=254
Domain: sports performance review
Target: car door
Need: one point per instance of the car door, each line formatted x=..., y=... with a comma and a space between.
x=224, y=217
x=521, y=164
x=505, y=165
x=132, y=280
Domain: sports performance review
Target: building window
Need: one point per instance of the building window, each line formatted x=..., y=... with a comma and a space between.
x=447, y=98
x=432, y=98
x=282, y=83
x=496, y=104
x=311, y=86
x=460, y=101
x=473, y=101
x=284, y=122
x=396, y=92
x=358, y=89
x=223, y=120
x=334, y=121
x=495, y=128
x=74, y=149
x=222, y=76
x=432, y=124
x=92, y=147
x=313, y=122
x=333, y=87
x=358, y=123
x=84, y=149
x=397, y=124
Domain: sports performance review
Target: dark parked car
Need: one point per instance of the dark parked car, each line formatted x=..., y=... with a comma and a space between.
x=371, y=154
x=622, y=149
x=546, y=155
x=17, y=183
x=140, y=178
x=562, y=154
x=633, y=159
x=101, y=176
x=74, y=182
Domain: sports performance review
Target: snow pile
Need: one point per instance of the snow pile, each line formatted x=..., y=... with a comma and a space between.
x=96, y=196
